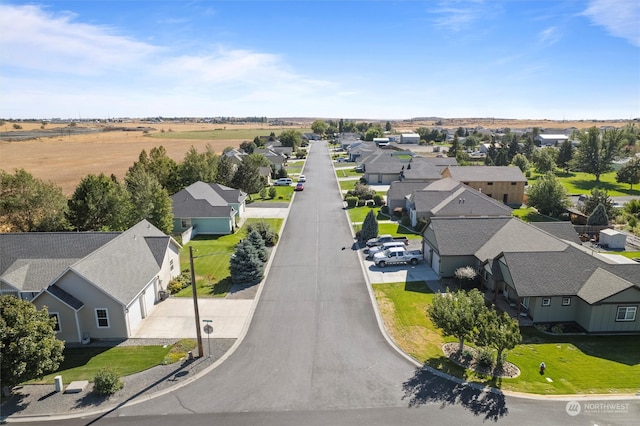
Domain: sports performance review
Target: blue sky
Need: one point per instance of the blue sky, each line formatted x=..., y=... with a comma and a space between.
x=553, y=59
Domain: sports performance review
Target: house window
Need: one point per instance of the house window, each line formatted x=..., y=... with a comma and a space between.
x=102, y=317
x=466, y=183
x=626, y=313
x=546, y=302
x=171, y=264
x=525, y=302
x=186, y=223
x=489, y=183
x=566, y=301
x=56, y=327
x=514, y=183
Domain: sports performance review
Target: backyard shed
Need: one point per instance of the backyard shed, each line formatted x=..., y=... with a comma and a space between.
x=613, y=239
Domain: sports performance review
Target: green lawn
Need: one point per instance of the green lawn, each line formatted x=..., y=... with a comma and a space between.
x=342, y=173
x=576, y=364
x=346, y=185
x=582, y=183
x=357, y=214
x=212, y=269
x=393, y=229
x=84, y=363
x=283, y=195
x=530, y=214
x=222, y=134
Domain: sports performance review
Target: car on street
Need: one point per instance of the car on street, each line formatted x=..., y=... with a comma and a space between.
x=302, y=178
x=299, y=186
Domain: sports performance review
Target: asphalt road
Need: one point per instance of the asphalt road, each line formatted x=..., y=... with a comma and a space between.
x=314, y=354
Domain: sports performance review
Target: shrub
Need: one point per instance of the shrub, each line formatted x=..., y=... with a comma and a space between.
x=467, y=355
x=263, y=193
x=360, y=203
x=272, y=192
x=106, y=382
x=378, y=200
x=181, y=281
x=363, y=180
x=351, y=201
x=384, y=209
x=370, y=203
x=269, y=236
x=557, y=328
x=485, y=358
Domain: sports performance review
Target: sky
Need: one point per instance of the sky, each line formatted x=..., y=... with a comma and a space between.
x=543, y=59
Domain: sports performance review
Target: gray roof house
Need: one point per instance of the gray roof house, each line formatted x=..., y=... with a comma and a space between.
x=383, y=167
x=97, y=285
x=399, y=190
x=545, y=278
x=206, y=208
x=447, y=197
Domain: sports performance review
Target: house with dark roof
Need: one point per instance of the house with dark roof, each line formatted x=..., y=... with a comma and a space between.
x=542, y=271
x=96, y=284
x=447, y=197
x=206, y=208
x=503, y=183
x=384, y=167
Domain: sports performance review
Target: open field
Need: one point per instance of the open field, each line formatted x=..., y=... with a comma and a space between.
x=65, y=159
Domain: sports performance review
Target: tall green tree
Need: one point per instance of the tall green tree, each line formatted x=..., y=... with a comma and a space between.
x=258, y=243
x=597, y=150
x=598, y=217
x=28, y=345
x=100, y=203
x=629, y=173
x=247, y=178
x=548, y=195
x=457, y=313
x=521, y=162
x=164, y=168
x=198, y=166
x=455, y=146
x=319, y=127
x=369, y=226
x=290, y=138
x=225, y=171
x=373, y=132
x=149, y=199
x=498, y=331
x=543, y=160
x=565, y=155
x=387, y=126
x=29, y=204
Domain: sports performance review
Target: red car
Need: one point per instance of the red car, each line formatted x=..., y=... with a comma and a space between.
x=299, y=186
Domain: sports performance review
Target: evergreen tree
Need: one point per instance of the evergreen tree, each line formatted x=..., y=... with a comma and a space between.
x=257, y=242
x=225, y=171
x=565, y=155
x=265, y=230
x=598, y=217
x=369, y=226
x=28, y=345
x=597, y=151
x=597, y=197
x=455, y=147
x=245, y=265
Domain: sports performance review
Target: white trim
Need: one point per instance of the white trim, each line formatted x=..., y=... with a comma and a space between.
x=546, y=301
x=627, y=309
x=567, y=300
x=99, y=318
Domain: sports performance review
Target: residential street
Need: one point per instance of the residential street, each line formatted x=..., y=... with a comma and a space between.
x=314, y=353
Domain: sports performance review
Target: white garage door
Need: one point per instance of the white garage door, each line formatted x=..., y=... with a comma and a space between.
x=134, y=315
x=435, y=264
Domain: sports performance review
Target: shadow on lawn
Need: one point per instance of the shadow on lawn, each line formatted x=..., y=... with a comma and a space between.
x=425, y=387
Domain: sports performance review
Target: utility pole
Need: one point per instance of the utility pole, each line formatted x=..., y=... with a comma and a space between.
x=195, y=303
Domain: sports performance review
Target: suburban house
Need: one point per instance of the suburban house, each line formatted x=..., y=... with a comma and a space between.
x=542, y=277
x=97, y=284
x=503, y=183
x=447, y=197
x=399, y=191
x=383, y=167
x=551, y=140
x=206, y=208
x=275, y=158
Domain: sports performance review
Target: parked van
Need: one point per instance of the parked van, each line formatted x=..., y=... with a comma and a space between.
x=283, y=182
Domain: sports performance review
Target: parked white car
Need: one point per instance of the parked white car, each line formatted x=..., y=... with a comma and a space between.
x=302, y=178
x=283, y=182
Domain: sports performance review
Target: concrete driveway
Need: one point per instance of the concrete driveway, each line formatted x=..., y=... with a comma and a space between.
x=174, y=318
x=399, y=273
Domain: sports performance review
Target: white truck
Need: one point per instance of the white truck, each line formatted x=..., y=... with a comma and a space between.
x=396, y=255
x=385, y=238
x=377, y=249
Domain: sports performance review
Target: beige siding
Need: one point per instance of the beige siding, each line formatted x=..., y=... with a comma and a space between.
x=68, y=326
x=94, y=298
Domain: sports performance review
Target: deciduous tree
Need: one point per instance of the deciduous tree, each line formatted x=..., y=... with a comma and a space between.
x=629, y=173
x=28, y=344
x=597, y=150
x=498, y=331
x=548, y=195
x=319, y=127
x=290, y=138
x=149, y=199
x=457, y=313
x=29, y=204
x=100, y=203
x=565, y=155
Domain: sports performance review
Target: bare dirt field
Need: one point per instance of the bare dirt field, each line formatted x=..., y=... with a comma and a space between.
x=65, y=159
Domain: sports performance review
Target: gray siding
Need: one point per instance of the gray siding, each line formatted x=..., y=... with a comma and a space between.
x=603, y=319
x=68, y=326
x=449, y=264
x=555, y=312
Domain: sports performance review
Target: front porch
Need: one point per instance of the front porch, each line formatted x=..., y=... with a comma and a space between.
x=510, y=307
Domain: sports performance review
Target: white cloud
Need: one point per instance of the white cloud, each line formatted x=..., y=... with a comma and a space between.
x=621, y=18
x=549, y=36
x=456, y=15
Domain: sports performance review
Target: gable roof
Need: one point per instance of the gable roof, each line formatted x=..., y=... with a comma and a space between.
x=563, y=230
x=400, y=189
x=466, y=201
x=487, y=174
x=30, y=261
x=463, y=236
x=125, y=265
x=201, y=199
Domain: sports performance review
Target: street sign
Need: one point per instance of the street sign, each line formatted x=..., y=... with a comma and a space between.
x=208, y=329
